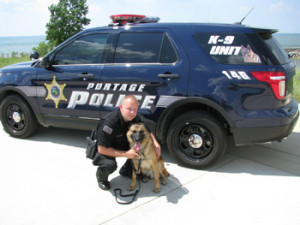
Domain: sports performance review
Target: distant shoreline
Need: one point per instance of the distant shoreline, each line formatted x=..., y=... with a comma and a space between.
x=293, y=52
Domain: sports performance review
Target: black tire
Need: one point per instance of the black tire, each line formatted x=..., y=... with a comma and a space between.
x=17, y=117
x=196, y=139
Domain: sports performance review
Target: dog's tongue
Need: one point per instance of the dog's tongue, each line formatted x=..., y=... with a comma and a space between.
x=137, y=146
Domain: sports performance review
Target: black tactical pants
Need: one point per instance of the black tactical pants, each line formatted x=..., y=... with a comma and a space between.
x=106, y=166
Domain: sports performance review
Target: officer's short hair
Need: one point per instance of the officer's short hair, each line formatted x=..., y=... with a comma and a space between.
x=132, y=97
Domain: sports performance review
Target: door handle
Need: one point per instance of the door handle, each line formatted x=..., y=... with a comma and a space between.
x=86, y=76
x=168, y=75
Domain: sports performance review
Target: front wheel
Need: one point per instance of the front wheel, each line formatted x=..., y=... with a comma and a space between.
x=196, y=139
x=17, y=118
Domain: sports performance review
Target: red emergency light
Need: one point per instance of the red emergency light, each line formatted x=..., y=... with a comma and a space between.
x=123, y=19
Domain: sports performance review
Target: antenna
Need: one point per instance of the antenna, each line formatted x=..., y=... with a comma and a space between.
x=245, y=16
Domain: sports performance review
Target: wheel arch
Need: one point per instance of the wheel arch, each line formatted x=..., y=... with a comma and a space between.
x=190, y=104
x=7, y=91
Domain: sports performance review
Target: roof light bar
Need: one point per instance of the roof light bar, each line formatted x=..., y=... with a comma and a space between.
x=123, y=19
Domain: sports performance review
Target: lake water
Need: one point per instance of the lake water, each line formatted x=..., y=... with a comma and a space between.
x=19, y=44
x=288, y=40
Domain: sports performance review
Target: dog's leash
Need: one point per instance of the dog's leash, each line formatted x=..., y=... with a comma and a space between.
x=133, y=195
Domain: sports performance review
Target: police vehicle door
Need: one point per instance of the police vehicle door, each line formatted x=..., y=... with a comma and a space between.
x=75, y=64
x=148, y=65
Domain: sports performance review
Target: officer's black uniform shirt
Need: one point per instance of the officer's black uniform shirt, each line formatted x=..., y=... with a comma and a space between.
x=112, y=130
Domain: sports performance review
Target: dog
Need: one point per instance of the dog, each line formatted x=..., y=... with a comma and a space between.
x=249, y=56
x=140, y=140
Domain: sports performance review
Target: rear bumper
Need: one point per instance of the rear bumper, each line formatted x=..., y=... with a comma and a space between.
x=267, y=129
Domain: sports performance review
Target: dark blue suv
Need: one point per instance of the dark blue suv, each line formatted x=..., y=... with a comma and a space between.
x=197, y=84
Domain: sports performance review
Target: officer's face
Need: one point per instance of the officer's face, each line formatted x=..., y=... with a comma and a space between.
x=129, y=109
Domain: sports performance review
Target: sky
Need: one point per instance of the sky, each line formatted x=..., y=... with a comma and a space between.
x=28, y=18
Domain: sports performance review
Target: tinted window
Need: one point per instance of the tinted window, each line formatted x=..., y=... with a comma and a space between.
x=85, y=50
x=168, y=53
x=144, y=48
x=277, y=51
x=228, y=48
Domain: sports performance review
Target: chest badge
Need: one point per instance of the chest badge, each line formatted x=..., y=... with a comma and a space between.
x=55, y=92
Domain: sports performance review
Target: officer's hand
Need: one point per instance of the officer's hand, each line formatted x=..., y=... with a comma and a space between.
x=157, y=146
x=158, y=151
x=131, y=154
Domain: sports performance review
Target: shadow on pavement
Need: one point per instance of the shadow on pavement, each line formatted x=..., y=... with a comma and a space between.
x=146, y=189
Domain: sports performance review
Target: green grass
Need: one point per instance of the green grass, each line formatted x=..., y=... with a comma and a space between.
x=12, y=60
x=297, y=86
x=8, y=61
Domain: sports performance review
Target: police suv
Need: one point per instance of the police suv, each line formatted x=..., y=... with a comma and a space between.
x=198, y=83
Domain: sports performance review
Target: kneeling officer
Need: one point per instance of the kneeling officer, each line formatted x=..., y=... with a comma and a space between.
x=112, y=141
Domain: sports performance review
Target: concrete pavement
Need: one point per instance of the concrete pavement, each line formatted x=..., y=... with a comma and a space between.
x=46, y=179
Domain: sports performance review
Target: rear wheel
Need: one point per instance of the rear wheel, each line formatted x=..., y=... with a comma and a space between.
x=196, y=139
x=17, y=118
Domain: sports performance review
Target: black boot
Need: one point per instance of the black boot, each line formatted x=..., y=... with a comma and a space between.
x=104, y=185
x=102, y=178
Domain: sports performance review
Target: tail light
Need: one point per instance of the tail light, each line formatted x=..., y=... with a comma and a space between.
x=275, y=79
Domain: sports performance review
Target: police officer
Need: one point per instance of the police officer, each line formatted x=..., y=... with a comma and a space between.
x=112, y=141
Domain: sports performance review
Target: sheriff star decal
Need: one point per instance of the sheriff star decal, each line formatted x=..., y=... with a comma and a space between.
x=55, y=92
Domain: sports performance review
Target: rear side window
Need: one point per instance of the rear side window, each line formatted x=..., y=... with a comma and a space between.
x=226, y=48
x=273, y=45
x=144, y=48
x=85, y=50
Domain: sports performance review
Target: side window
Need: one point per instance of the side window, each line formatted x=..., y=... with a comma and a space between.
x=144, y=48
x=85, y=50
x=228, y=48
x=168, y=53
x=275, y=47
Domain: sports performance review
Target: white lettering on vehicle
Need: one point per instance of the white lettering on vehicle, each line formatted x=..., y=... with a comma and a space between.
x=214, y=39
x=116, y=87
x=224, y=50
x=221, y=49
x=108, y=97
x=240, y=75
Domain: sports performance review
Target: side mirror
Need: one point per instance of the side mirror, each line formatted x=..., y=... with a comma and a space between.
x=46, y=62
x=34, y=55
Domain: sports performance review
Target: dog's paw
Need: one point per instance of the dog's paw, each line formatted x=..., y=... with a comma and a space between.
x=130, y=188
x=145, y=179
x=156, y=190
x=164, y=183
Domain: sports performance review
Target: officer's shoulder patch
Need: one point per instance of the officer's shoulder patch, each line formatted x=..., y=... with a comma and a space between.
x=107, y=129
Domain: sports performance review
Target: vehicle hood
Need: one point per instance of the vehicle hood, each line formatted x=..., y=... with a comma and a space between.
x=18, y=74
x=17, y=66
